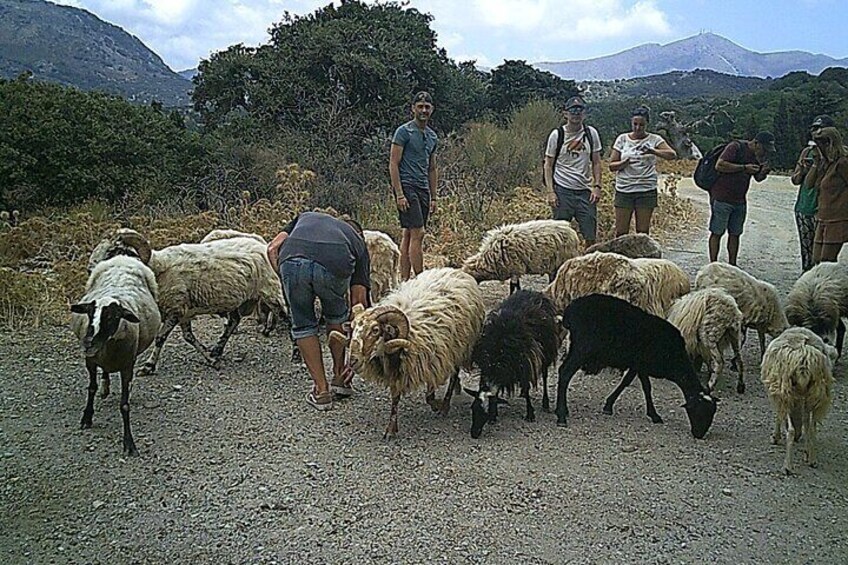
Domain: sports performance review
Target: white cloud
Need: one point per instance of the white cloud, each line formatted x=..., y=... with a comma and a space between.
x=184, y=31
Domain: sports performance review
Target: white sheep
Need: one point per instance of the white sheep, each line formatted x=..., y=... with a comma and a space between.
x=818, y=301
x=537, y=247
x=385, y=261
x=116, y=320
x=650, y=284
x=757, y=300
x=798, y=376
x=666, y=283
x=227, y=277
x=418, y=336
x=267, y=314
x=632, y=245
x=710, y=322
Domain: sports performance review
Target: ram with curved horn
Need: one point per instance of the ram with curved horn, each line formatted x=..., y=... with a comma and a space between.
x=418, y=336
x=226, y=277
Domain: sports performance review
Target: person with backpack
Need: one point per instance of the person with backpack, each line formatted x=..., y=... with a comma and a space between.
x=573, y=170
x=737, y=163
x=634, y=162
x=806, y=204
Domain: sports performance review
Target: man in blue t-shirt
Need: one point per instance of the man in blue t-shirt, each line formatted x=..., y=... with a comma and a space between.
x=412, y=169
x=319, y=256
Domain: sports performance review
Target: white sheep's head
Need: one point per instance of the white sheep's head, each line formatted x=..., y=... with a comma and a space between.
x=378, y=332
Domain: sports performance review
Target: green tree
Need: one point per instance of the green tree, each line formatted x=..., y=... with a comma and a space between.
x=515, y=83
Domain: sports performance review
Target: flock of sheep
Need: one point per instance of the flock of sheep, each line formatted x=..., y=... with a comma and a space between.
x=618, y=305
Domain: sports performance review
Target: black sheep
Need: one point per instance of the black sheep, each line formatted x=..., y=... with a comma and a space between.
x=608, y=332
x=519, y=342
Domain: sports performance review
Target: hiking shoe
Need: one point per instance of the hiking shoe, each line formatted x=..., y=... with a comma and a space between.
x=320, y=401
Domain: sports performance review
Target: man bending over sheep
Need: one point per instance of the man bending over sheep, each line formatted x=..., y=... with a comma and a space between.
x=317, y=255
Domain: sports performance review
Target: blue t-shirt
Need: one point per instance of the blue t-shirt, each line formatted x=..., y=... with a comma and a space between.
x=417, y=146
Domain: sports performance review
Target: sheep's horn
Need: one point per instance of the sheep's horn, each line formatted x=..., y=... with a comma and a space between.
x=338, y=336
x=394, y=345
x=136, y=241
x=357, y=310
x=392, y=316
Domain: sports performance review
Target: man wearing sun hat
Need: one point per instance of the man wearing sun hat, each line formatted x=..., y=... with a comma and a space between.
x=414, y=178
x=573, y=174
x=739, y=161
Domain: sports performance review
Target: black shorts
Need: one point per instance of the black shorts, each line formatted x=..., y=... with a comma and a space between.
x=419, y=207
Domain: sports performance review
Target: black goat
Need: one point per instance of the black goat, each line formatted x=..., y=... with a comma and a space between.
x=519, y=342
x=608, y=332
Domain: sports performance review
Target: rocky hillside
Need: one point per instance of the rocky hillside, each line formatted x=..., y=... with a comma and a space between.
x=703, y=51
x=676, y=85
x=73, y=47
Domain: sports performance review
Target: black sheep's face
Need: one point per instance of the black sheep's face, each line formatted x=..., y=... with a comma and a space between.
x=104, y=319
x=701, y=411
x=480, y=410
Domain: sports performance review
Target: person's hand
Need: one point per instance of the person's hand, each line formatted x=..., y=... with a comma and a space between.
x=402, y=203
x=347, y=374
x=553, y=201
x=752, y=169
x=432, y=206
x=595, y=197
x=647, y=150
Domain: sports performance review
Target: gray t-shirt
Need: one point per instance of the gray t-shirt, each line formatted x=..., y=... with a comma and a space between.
x=417, y=145
x=573, y=169
x=330, y=242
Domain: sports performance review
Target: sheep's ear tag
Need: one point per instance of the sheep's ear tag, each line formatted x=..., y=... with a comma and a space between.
x=358, y=309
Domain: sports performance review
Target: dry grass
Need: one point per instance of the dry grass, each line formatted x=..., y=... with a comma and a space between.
x=44, y=258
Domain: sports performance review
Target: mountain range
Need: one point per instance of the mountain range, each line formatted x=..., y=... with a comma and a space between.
x=702, y=51
x=74, y=47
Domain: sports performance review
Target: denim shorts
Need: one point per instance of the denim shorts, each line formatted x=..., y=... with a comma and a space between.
x=727, y=217
x=303, y=281
x=575, y=204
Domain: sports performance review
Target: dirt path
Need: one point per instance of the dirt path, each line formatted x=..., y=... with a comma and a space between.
x=235, y=468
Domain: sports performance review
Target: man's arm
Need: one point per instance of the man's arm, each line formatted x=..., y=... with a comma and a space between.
x=358, y=295
x=596, y=176
x=433, y=181
x=549, y=181
x=394, y=174
x=273, y=250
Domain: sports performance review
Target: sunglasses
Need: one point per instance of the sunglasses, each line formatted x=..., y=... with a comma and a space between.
x=575, y=110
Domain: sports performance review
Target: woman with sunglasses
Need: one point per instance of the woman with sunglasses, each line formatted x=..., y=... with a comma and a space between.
x=634, y=160
x=830, y=176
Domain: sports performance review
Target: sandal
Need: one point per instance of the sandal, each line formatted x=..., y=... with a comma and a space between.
x=320, y=401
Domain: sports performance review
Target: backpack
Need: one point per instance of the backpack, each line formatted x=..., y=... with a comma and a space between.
x=706, y=174
x=560, y=140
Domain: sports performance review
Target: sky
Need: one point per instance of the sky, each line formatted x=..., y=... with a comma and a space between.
x=183, y=32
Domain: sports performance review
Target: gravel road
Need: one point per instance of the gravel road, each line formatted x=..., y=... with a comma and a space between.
x=236, y=468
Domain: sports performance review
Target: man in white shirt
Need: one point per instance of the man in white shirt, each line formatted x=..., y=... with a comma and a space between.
x=573, y=175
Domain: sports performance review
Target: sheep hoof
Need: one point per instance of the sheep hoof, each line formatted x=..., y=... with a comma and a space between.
x=787, y=471
x=740, y=388
x=85, y=423
x=129, y=448
x=656, y=419
x=530, y=418
x=546, y=407
x=435, y=405
x=607, y=410
x=146, y=369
